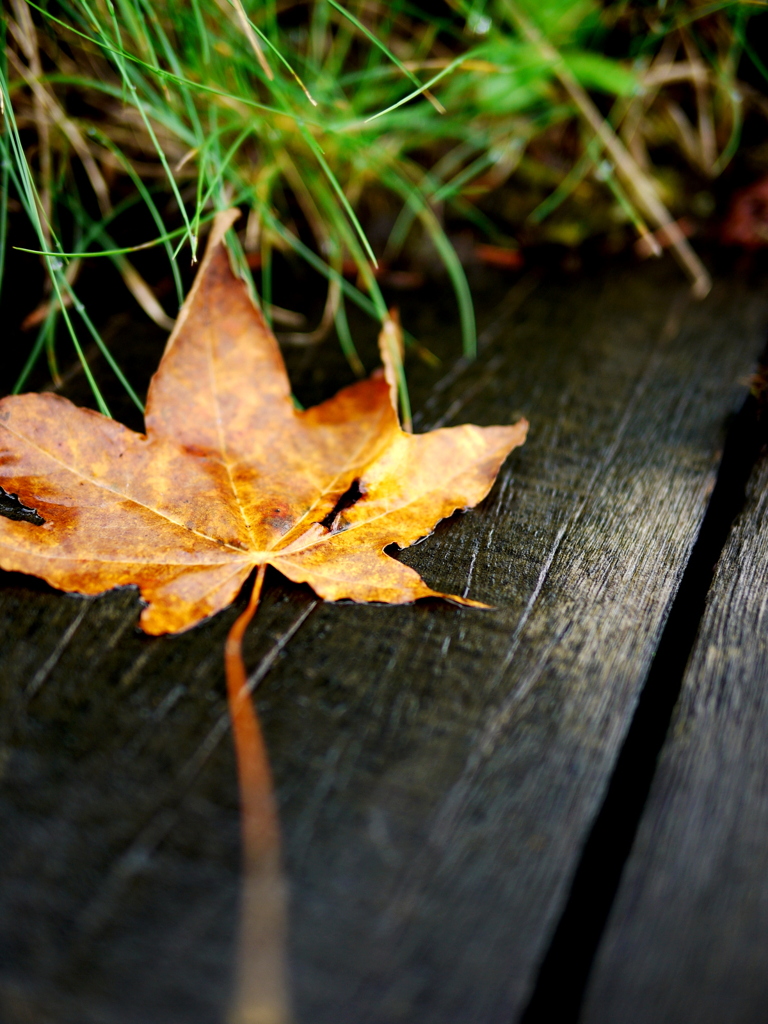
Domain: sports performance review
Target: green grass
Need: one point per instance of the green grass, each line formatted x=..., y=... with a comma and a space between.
x=324, y=107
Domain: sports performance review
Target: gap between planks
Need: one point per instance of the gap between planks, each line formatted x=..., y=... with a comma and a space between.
x=567, y=965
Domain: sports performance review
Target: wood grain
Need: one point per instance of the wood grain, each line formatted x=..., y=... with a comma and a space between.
x=688, y=936
x=438, y=768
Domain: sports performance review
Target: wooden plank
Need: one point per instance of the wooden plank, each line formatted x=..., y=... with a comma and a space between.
x=688, y=937
x=438, y=768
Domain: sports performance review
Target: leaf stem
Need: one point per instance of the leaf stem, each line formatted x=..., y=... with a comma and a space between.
x=261, y=986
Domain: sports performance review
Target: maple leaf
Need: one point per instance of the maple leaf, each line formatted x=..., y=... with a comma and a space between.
x=230, y=475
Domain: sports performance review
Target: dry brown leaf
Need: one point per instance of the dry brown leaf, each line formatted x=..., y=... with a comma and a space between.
x=230, y=475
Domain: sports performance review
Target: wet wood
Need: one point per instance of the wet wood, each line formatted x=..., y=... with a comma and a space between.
x=688, y=937
x=438, y=768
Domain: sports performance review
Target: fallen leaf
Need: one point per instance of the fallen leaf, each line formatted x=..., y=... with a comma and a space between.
x=499, y=256
x=747, y=221
x=230, y=476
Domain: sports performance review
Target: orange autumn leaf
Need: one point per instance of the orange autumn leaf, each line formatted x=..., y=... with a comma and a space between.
x=230, y=476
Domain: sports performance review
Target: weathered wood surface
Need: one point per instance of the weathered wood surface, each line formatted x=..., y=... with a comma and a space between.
x=438, y=768
x=688, y=938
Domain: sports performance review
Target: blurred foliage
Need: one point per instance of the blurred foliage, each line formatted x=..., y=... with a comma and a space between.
x=351, y=133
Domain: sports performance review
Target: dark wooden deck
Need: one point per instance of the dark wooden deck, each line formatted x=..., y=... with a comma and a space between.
x=440, y=770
